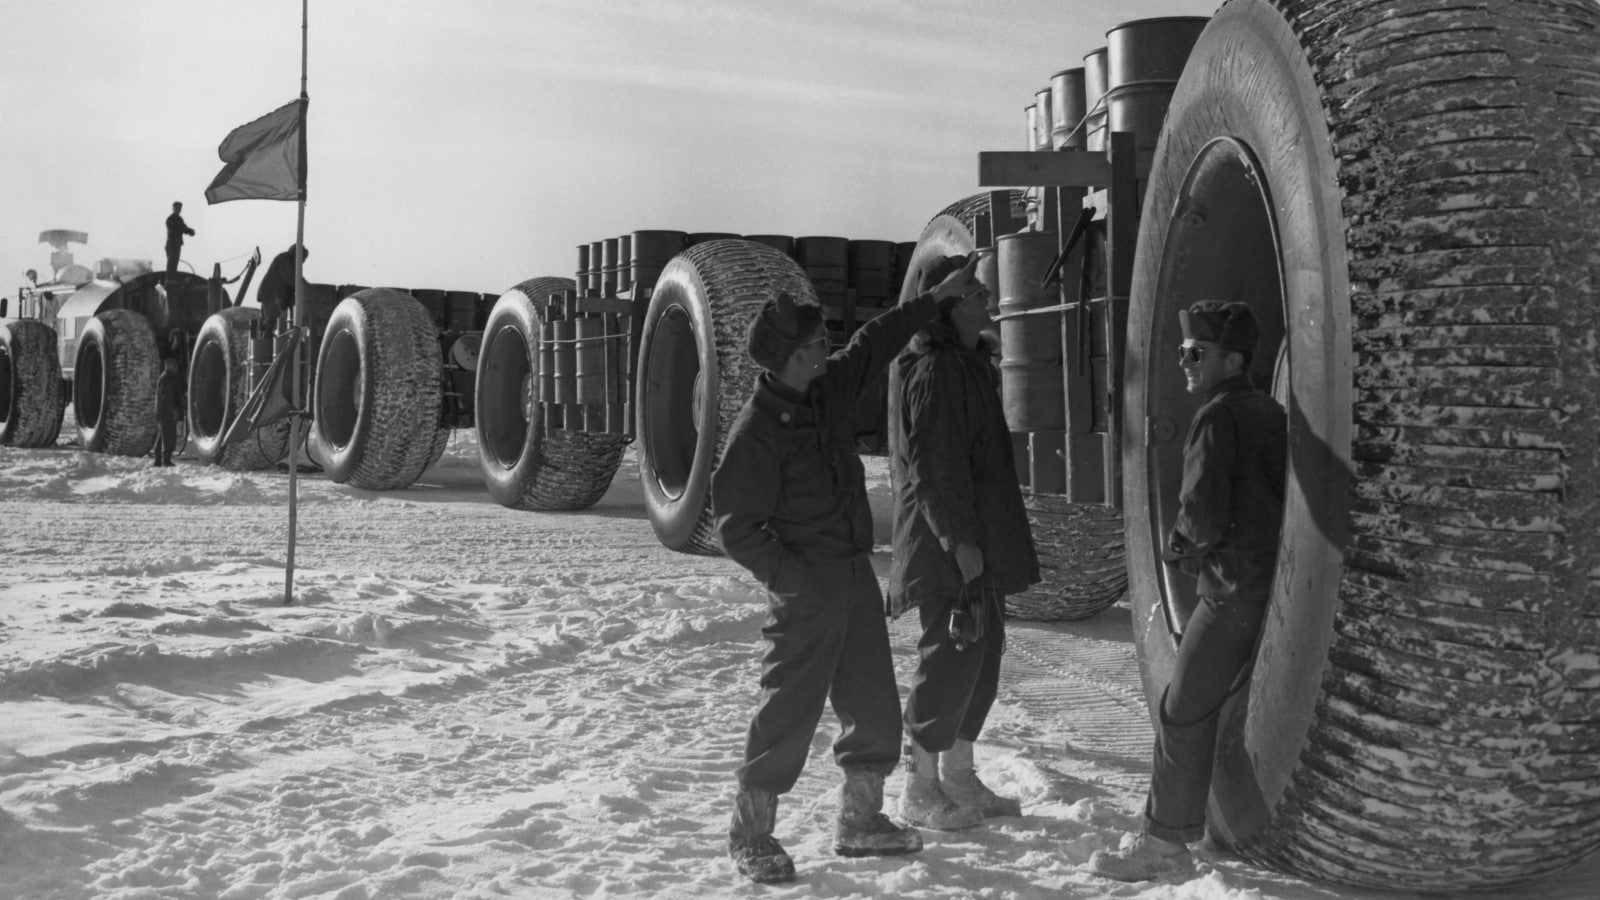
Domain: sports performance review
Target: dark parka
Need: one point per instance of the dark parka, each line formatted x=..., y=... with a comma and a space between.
x=790, y=484
x=1231, y=504
x=954, y=474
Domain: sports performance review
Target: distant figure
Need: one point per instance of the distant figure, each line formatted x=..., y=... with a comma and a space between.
x=277, y=288
x=167, y=402
x=176, y=229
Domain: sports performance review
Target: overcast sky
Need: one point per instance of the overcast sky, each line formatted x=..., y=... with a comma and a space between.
x=470, y=144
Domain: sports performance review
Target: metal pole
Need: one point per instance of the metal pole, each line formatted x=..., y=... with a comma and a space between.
x=295, y=318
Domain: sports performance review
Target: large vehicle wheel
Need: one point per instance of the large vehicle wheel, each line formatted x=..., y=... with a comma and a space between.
x=1080, y=545
x=219, y=385
x=524, y=466
x=30, y=385
x=377, y=397
x=695, y=375
x=1410, y=193
x=114, y=384
x=1081, y=561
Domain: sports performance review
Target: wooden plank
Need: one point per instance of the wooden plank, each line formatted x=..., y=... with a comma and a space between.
x=1034, y=168
x=1122, y=238
x=1049, y=464
x=1086, y=468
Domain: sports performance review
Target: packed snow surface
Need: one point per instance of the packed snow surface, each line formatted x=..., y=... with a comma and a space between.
x=467, y=701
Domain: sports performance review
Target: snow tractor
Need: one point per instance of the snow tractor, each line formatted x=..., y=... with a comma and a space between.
x=97, y=338
x=1407, y=195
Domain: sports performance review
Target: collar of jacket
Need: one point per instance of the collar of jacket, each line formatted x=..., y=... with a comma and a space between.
x=785, y=403
x=1240, y=382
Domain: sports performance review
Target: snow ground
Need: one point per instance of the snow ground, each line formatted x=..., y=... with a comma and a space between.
x=467, y=701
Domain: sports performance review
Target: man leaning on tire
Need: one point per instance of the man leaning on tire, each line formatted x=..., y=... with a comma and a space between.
x=1226, y=534
x=791, y=506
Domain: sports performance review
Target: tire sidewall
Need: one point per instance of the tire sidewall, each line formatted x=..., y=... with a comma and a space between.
x=1247, y=79
x=675, y=518
x=92, y=342
x=218, y=330
x=513, y=318
x=349, y=319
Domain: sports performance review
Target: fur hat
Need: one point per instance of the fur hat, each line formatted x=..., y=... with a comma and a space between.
x=1229, y=324
x=779, y=329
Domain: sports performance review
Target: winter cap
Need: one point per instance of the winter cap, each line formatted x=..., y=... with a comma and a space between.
x=1229, y=324
x=938, y=271
x=779, y=330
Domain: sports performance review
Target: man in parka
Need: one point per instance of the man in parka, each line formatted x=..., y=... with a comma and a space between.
x=791, y=506
x=276, y=293
x=1226, y=534
x=961, y=543
x=168, y=399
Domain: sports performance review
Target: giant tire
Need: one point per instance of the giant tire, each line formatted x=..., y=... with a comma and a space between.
x=377, y=397
x=524, y=466
x=1079, y=544
x=114, y=384
x=1083, y=569
x=219, y=385
x=695, y=375
x=31, y=396
x=1423, y=709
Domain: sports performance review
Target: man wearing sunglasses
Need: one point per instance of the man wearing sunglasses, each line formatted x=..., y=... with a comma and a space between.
x=1226, y=535
x=791, y=505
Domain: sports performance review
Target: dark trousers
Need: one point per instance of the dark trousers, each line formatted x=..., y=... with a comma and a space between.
x=826, y=641
x=166, y=433
x=953, y=690
x=172, y=259
x=1218, y=644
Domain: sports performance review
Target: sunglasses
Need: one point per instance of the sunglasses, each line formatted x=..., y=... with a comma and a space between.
x=1191, y=354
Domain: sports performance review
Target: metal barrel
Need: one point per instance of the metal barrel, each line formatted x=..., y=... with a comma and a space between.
x=1067, y=109
x=547, y=363
x=1031, y=141
x=1144, y=60
x=652, y=250
x=590, y=366
x=596, y=276
x=583, y=264
x=1043, y=119
x=782, y=243
x=1094, y=90
x=1033, y=397
x=624, y=262
x=608, y=266
x=700, y=237
x=566, y=361
x=870, y=271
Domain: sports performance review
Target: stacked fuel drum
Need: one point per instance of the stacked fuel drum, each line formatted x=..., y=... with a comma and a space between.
x=586, y=370
x=1062, y=309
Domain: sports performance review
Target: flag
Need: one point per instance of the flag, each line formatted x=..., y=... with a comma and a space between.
x=266, y=159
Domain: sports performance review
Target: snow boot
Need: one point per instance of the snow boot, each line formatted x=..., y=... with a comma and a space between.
x=923, y=801
x=1146, y=858
x=754, y=851
x=959, y=779
x=863, y=829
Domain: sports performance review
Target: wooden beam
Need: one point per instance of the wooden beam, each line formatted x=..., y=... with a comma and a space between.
x=1055, y=168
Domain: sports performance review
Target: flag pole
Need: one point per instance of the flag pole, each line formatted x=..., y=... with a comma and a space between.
x=296, y=316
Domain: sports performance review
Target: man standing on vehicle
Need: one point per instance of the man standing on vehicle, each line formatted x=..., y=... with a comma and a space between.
x=176, y=229
x=276, y=294
x=1226, y=534
x=961, y=543
x=791, y=506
